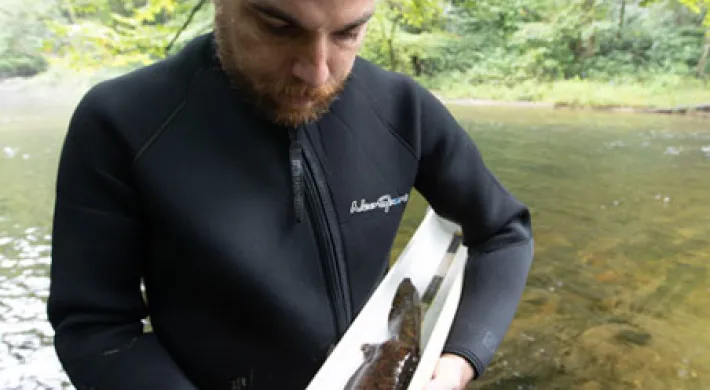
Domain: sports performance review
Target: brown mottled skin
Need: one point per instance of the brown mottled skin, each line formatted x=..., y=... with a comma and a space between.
x=391, y=365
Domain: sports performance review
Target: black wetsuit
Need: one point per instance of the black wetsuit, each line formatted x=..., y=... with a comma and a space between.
x=257, y=245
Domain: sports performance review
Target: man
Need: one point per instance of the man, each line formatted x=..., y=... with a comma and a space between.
x=239, y=181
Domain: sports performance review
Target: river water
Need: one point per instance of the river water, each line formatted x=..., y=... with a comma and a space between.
x=619, y=293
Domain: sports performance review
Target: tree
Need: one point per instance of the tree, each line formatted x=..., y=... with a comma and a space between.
x=99, y=33
x=701, y=7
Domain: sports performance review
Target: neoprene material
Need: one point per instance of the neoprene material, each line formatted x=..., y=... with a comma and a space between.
x=257, y=245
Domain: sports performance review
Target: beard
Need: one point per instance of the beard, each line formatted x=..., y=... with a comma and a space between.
x=242, y=56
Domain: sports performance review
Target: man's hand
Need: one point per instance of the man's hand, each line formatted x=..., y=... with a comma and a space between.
x=452, y=372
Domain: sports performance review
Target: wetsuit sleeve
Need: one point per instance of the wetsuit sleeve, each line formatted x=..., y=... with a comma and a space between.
x=95, y=303
x=496, y=228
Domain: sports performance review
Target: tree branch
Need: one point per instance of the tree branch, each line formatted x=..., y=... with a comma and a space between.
x=194, y=11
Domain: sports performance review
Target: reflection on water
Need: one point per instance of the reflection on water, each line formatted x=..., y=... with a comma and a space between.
x=617, y=297
x=24, y=330
x=28, y=153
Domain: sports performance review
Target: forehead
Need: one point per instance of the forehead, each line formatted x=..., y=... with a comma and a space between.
x=319, y=14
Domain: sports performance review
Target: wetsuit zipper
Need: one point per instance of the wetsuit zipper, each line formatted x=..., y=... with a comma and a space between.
x=322, y=215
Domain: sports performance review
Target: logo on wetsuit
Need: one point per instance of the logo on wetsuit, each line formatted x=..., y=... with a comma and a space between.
x=385, y=202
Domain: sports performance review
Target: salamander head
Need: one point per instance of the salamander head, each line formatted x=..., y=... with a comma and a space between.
x=405, y=316
x=405, y=298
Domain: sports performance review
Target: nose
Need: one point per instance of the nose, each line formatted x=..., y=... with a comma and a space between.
x=311, y=65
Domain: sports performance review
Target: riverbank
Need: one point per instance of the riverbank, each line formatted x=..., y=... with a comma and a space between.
x=701, y=110
x=57, y=88
x=664, y=95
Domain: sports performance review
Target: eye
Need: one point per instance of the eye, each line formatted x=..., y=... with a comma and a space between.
x=277, y=27
x=350, y=34
x=282, y=30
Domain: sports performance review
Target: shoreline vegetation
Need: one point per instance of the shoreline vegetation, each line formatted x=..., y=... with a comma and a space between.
x=593, y=96
x=650, y=56
x=688, y=97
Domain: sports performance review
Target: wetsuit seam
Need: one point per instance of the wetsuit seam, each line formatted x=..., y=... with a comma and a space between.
x=166, y=123
x=391, y=128
x=506, y=244
x=382, y=175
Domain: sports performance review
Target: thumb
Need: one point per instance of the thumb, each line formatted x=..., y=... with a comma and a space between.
x=442, y=380
x=444, y=377
x=436, y=384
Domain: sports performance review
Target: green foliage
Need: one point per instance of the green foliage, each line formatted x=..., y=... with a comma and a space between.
x=466, y=44
x=21, y=37
x=512, y=41
x=21, y=65
x=403, y=29
x=699, y=7
x=113, y=33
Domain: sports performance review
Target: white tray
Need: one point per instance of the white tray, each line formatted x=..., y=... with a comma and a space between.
x=419, y=260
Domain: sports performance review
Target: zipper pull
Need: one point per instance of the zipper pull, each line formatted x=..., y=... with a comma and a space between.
x=295, y=155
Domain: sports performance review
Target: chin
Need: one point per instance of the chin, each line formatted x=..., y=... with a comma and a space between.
x=296, y=119
x=290, y=117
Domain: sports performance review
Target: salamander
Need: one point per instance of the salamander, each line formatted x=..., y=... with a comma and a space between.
x=390, y=365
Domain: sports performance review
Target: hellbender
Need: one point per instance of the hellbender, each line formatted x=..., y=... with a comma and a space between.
x=390, y=365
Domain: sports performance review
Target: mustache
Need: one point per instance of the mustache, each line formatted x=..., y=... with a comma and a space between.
x=298, y=89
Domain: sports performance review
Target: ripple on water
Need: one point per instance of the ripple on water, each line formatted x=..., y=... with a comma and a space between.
x=615, y=144
x=27, y=356
x=673, y=151
x=38, y=370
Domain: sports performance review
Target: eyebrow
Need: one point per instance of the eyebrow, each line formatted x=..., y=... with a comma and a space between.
x=284, y=16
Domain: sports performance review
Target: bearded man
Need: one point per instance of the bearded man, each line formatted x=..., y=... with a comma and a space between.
x=239, y=180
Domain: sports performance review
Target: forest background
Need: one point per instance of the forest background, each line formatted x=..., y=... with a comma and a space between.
x=594, y=53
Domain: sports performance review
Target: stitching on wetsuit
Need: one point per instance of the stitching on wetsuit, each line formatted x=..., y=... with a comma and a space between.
x=151, y=140
x=353, y=133
x=382, y=118
x=164, y=125
x=504, y=244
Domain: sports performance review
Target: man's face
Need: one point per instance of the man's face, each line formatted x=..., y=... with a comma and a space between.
x=292, y=57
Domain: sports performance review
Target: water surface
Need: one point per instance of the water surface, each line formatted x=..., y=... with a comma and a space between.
x=618, y=294
x=29, y=147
